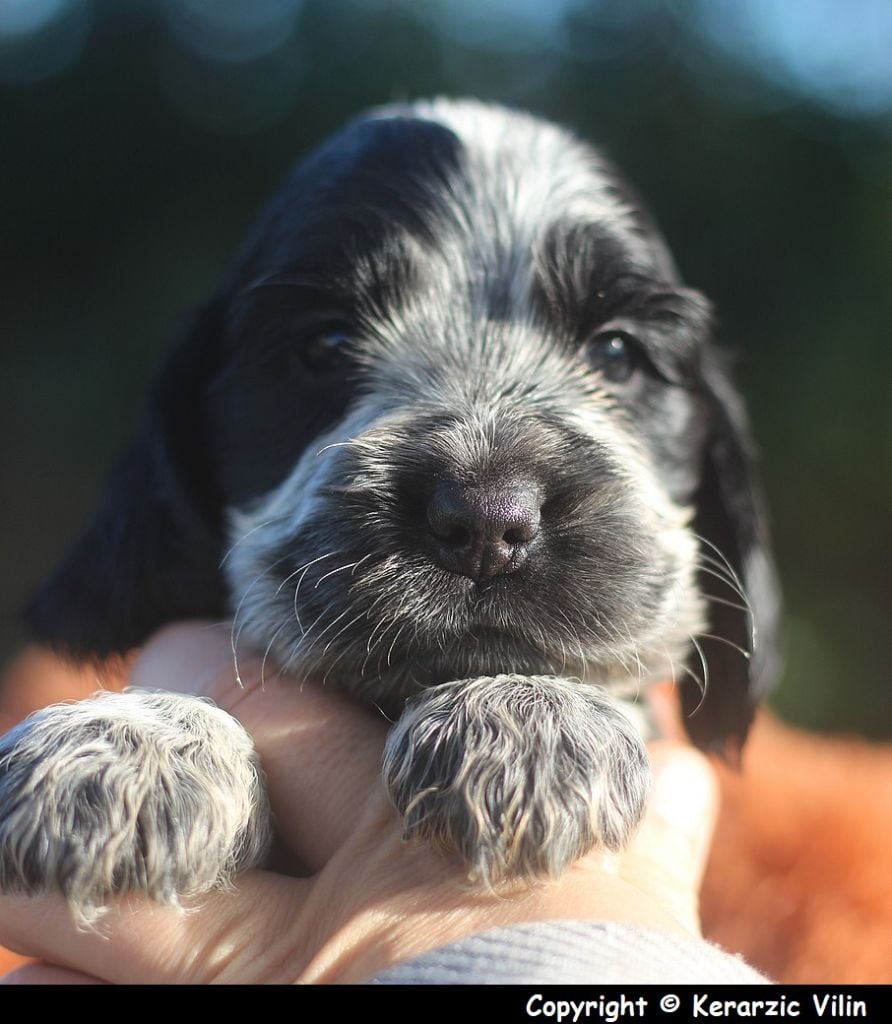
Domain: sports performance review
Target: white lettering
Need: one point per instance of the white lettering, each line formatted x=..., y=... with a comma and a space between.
x=839, y=1005
x=569, y=1010
x=703, y=1006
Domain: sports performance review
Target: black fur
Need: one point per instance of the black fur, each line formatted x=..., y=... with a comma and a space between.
x=240, y=401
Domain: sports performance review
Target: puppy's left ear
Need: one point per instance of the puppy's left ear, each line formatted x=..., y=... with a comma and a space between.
x=740, y=656
x=152, y=552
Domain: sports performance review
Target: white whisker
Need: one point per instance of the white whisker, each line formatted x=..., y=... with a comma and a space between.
x=250, y=533
x=704, y=682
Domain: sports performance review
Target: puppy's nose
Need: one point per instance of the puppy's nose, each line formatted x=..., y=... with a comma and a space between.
x=487, y=530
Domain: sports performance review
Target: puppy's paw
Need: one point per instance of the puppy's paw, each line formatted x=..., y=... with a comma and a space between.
x=522, y=775
x=145, y=792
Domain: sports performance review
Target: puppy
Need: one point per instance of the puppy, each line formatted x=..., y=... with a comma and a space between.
x=451, y=436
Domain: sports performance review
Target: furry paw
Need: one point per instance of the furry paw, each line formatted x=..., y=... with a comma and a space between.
x=522, y=775
x=146, y=792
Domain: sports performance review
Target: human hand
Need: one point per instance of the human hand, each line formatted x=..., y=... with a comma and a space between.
x=370, y=899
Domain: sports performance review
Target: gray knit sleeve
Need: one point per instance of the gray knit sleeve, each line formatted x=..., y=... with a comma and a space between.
x=572, y=952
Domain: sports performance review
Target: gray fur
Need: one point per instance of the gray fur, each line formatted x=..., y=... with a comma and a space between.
x=319, y=570
x=325, y=582
x=522, y=775
x=155, y=793
x=529, y=760
x=324, y=579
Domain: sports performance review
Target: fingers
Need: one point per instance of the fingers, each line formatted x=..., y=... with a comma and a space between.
x=665, y=709
x=248, y=936
x=683, y=808
x=278, y=929
x=305, y=734
x=37, y=678
x=47, y=974
x=670, y=850
x=332, y=749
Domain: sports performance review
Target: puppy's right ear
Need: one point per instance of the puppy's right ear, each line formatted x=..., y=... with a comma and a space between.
x=151, y=554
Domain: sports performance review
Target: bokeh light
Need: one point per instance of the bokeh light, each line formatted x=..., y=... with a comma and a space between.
x=837, y=54
x=232, y=30
x=41, y=38
x=141, y=136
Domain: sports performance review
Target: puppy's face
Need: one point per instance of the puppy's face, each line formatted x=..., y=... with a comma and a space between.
x=452, y=414
x=488, y=385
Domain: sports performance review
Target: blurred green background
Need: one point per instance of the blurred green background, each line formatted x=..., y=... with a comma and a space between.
x=139, y=138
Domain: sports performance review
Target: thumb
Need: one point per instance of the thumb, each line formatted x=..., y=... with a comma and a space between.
x=672, y=846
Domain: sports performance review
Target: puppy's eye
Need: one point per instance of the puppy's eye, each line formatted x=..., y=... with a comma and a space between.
x=327, y=352
x=615, y=355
